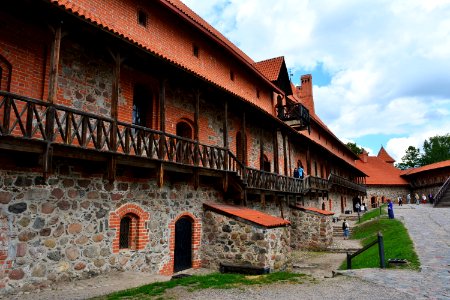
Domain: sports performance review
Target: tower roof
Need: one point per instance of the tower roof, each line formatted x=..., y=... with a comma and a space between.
x=382, y=154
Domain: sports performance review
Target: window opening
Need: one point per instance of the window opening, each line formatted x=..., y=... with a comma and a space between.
x=125, y=229
x=142, y=18
x=232, y=75
x=195, y=50
x=184, y=130
x=142, y=106
x=266, y=164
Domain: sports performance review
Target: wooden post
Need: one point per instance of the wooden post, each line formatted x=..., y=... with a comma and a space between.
x=285, y=154
x=381, y=250
x=308, y=160
x=244, y=140
x=114, y=113
x=225, y=145
x=289, y=157
x=261, y=149
x=54, y=64
x=196, y=138
x=276, y=163
x=349, y=261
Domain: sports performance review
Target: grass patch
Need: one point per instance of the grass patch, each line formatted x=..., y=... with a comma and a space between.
x=215, y=280
x=397, y=244
x=373, y=213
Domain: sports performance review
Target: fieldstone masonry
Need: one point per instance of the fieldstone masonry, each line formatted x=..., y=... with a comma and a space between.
x=60, y=230
x=312, y=229
x=232, y=241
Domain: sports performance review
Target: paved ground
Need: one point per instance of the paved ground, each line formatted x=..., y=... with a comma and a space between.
x=428, y=227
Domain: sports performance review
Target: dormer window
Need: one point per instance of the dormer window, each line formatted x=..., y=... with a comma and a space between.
x=142, y=18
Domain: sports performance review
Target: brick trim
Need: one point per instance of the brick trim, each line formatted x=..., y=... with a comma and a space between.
x=167, y=269
x=139, y=220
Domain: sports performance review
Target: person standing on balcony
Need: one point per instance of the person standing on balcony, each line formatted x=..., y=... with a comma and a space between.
x=301, y=172
x=296, y=173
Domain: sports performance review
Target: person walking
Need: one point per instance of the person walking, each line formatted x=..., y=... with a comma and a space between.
x=346, y=229
x=400, y=201
x=358, y=207
x=408, y=198
x=416, y=196
x=424, y=199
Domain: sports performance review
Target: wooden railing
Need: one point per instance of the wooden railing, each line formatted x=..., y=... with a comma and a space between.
x=442, y=191
x=295, y=111
x=262, y=180
x=315, y=183
x=27, y=118
x=344, y=182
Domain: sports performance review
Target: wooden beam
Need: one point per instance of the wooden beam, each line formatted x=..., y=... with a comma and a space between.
x=244, y=140
x=196, y=114
x=47, y=161
x=276, y=163
x=285, y=154
x=261, y=149
x=162, y=104
x=160, y=175
x=225, y=125
x=308, y=160
x=54, y=64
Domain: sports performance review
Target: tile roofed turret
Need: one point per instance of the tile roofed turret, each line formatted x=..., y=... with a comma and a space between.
x=382, y=154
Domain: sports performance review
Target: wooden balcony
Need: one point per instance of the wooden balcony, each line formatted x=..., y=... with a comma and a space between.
x=342, y=182
x=296, y=115
x=42, y=125
x=317, y=184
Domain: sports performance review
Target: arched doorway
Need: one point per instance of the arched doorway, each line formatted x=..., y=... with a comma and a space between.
x=373, y=202
x=142, y=106
x=240, y=147
x=266, y=164
x=183, y=244
x=5, y=74
x=356, y=200
x=184, y=130
x=342, y=205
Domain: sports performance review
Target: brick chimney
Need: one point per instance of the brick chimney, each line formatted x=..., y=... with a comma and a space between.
x=305, y=92
x=363, y=156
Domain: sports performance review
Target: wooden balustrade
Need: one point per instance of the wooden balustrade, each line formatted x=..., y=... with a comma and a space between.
x=315, y=183
x=262, y=180
x=346, y=183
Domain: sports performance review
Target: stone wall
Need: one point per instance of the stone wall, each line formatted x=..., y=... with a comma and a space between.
x=310, y=230
x=232, y=241
x=60, y=229
x=388, y=192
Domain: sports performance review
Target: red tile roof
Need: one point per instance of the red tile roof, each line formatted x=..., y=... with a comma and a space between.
x=313, y=209
x=251, y=215
x=380, y=172
x=438, y=165
x=383, y=155
x=270, y=67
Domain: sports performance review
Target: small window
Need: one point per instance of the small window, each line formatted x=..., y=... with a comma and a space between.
x=142, y=18
x=257, y=93
x=125, y=224
x=232, y=75
x=195, y=50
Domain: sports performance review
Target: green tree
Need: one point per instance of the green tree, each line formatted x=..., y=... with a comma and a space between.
x=411, y=159
x=355, y=149
x=436, y=149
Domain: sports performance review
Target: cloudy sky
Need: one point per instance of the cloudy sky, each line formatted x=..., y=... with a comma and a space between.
x=381, y=68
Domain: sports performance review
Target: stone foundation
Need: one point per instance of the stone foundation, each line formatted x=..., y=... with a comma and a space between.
x=67, y=227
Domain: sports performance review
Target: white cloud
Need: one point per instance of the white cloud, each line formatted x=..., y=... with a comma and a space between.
x=389, y=60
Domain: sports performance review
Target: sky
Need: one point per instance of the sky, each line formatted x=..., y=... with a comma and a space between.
x=380, y=68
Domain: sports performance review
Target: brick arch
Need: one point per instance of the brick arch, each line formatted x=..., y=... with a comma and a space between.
x=5, y=73
x=167, y=269
x=141, y=218
x=189, y=123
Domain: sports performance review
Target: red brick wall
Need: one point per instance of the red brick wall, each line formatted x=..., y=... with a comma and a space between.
x=138, y=226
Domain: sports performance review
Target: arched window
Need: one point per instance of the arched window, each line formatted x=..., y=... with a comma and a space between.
x=5, y=74
x=323, y=206
x=266, y=164
x=128, y=232
x=184, y=130
x=142, y=106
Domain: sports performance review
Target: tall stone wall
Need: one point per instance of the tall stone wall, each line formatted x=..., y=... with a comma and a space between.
x=231, y=241
x=60, y=229
x=310, y=230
